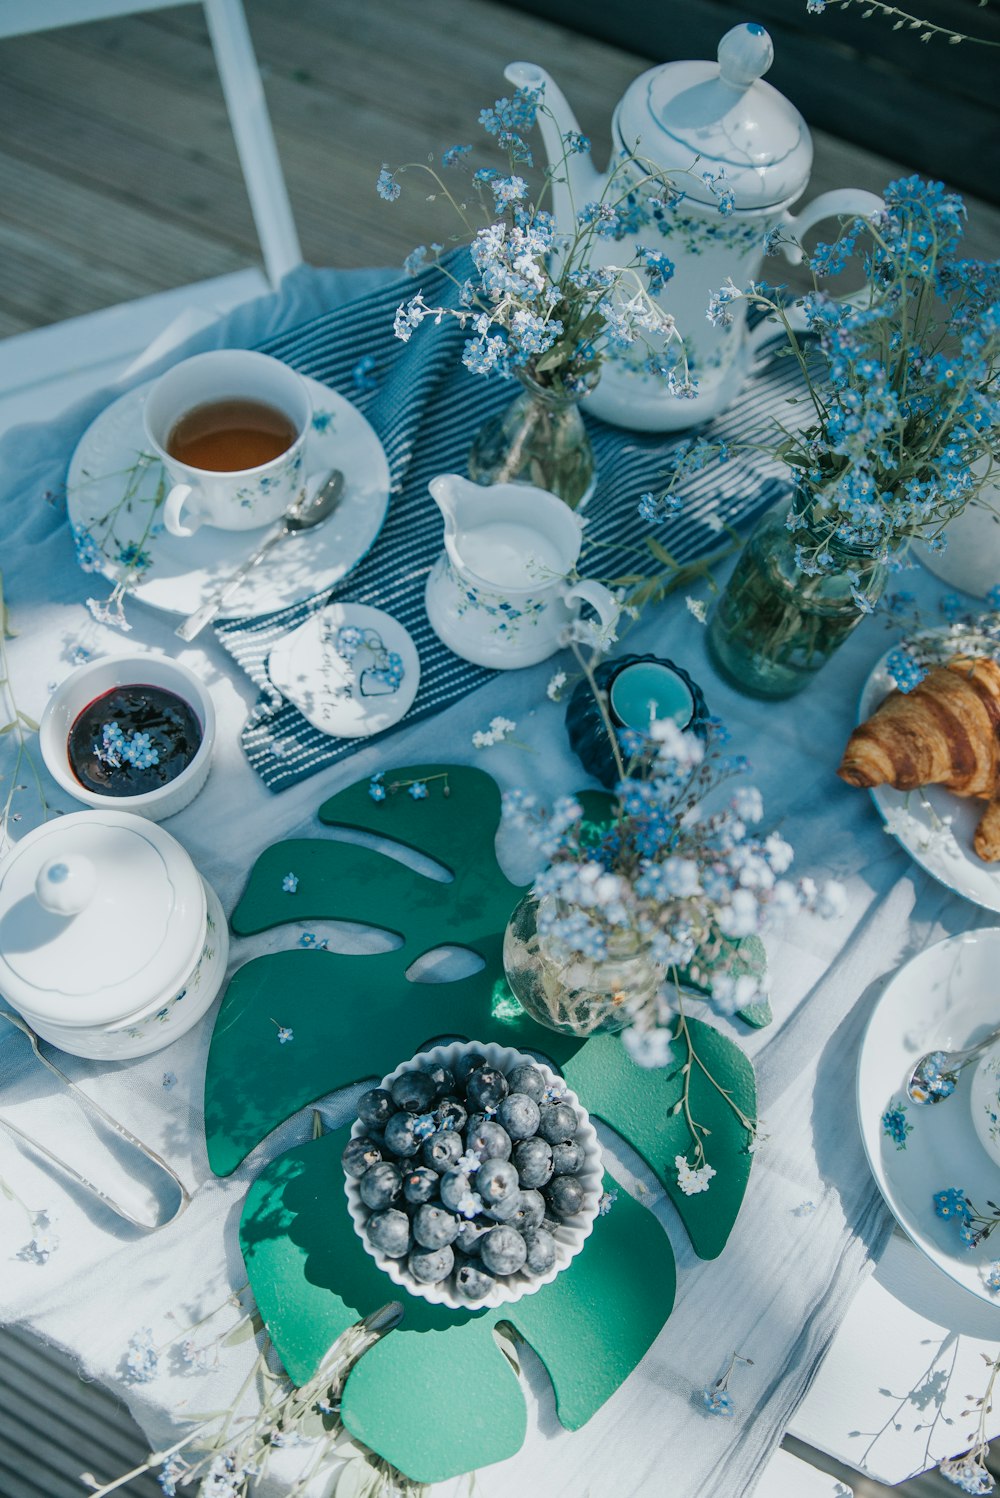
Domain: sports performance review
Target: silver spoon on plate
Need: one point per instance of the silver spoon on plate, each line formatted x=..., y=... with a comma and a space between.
x=935, y=1075
x=303, y=515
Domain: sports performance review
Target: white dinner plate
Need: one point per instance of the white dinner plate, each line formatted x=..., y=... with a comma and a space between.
x=947, y=997
x=935, y=826
x=340, y=696
x=183, y=572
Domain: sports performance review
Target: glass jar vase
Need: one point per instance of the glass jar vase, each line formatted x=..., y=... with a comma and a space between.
x=776, y=624
x=568, y=992
x=539, y=439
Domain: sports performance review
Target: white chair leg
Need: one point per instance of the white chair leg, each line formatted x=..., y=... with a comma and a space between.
x=244, y=92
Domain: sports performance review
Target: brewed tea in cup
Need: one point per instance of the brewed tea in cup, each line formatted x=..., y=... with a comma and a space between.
x=230, y=429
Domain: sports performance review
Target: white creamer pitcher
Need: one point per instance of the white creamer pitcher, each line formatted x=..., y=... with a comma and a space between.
x=502, y=593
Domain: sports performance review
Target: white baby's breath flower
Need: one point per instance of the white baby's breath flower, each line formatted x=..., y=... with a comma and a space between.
x=696, y=606
x=556, y=683
x=500, y=728
x=692, y=1181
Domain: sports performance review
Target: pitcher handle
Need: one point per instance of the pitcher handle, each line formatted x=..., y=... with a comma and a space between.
x=604, y=604
x=843, y=202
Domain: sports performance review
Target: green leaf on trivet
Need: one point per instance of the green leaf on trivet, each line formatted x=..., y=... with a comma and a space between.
x=638, y=1103
x=312, y=1279
x=354, y=1017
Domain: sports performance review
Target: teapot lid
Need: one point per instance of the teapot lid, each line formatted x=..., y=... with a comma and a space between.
x=101, y=912
x=724, y=114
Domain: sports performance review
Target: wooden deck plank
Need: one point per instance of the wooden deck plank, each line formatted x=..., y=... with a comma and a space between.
x=77, y=215
x=47, y=282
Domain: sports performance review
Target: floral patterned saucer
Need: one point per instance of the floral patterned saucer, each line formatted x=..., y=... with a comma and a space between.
x=350, y=670
x=114, y=489
x=932, y=824
x=927, y=1160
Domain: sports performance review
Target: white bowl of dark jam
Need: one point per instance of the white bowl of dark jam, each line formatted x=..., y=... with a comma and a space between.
x=131, y=731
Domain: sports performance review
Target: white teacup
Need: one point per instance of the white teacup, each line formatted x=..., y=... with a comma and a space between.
x=233, y=499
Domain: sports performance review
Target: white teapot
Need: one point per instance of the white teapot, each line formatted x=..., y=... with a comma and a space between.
x=693, y=118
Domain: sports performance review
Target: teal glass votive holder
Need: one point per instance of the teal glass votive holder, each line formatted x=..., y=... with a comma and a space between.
x=638, y=689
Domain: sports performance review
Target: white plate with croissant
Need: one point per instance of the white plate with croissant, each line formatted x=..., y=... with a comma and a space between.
x=931, y=759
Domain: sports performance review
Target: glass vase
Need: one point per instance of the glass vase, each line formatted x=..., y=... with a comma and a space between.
x=776, y=625
x=570, y=993
x=539, y=439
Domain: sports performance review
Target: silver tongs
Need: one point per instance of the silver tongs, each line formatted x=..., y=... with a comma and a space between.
x=88, y=1105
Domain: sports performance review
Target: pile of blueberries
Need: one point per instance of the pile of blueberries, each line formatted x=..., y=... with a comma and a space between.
x=465, y=1172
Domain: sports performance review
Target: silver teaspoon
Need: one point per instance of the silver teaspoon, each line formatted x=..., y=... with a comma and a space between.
x=935, y=1075
x=303, y=515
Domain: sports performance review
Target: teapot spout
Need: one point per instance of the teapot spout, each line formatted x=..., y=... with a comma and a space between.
x=575, y=180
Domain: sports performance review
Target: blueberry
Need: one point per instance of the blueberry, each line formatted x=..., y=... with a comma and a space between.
x=399, y=1135
x=433, y=1227
x=358, y=1155
x=443, y=1079
x=430, y=1265
x=541, y=1251
x=420, y=1185
x=454, y=1188
x=486, y=1088
x=442, y=1150
x=503, y=1250
x=466, y=1065
x=472, y=1284
x=533, y=1160
x=414, y=1091
x=389, y=1231
x=530, y=1211
x=567, y=1159
x=519, y=1116
x=380, y=1185
x=487, y=1139
x=496, y=1180
x=564, y=1195
x=558, y=1122
x=527, y=1079
x=375, y=1108
x=470, y=1232
x=506, y=1209
x=450, y=1114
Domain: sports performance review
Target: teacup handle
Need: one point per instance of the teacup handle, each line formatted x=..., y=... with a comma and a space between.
x=604, y=604
x=176, y=500
x=843, y=202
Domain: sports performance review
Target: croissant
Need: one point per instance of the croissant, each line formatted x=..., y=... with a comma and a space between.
x=945, y=732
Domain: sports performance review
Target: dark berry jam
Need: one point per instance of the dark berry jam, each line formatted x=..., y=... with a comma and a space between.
x=132, y=740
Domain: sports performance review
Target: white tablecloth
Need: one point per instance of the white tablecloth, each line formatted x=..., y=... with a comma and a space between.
x=812, y=1221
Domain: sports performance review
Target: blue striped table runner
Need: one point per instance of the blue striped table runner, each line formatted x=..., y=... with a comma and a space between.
x=426, y=410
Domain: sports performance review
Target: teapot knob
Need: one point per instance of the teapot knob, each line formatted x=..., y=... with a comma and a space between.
x=65, y=886
x=745, y=53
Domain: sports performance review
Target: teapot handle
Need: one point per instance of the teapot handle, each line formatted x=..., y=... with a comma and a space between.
x=843, y=202
x=604, y=604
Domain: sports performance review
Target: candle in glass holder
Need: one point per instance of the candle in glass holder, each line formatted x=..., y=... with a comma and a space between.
x=649, y=690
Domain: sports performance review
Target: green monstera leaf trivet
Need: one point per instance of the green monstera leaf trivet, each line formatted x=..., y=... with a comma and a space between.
x=355, y=1018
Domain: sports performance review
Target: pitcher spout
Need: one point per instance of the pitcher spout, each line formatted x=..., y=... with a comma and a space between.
x=575, y=181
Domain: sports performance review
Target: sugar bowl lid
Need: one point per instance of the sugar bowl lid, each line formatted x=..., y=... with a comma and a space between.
x=101, y=912
x=724, y=114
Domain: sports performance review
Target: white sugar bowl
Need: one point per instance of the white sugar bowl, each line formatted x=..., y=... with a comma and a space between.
x=111, y=943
